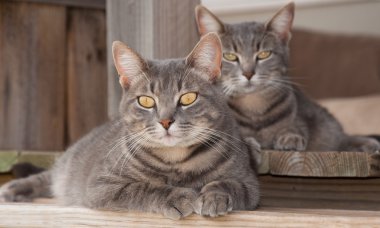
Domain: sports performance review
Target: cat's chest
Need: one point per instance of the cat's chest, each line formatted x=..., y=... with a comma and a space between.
x=182, y=168
x=249, y=105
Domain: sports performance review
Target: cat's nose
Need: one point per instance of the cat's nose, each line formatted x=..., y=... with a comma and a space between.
x=248, y=74
x=166, y=123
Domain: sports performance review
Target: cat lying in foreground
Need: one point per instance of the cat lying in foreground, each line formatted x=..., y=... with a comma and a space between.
x=265, y=102
x=174, y=150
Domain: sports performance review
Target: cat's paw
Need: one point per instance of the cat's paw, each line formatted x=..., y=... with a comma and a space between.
x=290, y=141
x=213, y=203
x=180, y=203
x=370, y=145
x=16, y=191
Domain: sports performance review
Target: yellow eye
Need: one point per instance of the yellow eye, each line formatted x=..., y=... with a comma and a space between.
x=188, y=98
x=264, y=54
x=230, y=57
x=146, y=102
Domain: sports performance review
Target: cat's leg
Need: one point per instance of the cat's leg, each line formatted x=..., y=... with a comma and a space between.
x=26, y=189
x=254, y=149
x=220, y=197
x=360, y=143
x=172, y=202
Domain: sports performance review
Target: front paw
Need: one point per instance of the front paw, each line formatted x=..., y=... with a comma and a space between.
x=16, y=191
x=213, y=203
x=290, y=141
x=370, y=145
x=180, y=203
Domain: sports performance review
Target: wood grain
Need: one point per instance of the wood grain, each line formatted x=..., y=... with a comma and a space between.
x=44, y=215
x=87, y=72
x=97, y=4
x=32, y=76
x=154, y=28
x=326, y=193
x=321, y=164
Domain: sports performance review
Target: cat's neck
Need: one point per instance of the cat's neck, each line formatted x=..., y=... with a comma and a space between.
x=257, y=102
x=173, y=154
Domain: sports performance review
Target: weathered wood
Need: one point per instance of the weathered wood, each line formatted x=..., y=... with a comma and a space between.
x=321, y=164
x=326, y=193
x=43, y=215
x=97, y=4
x=154, y=28
x=32, y=76
x=87, y=72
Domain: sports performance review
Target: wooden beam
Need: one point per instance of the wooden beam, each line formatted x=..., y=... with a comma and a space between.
x=321, y=164
x=155, y=28
x=87, y=72
x=327, y=193
x=43, y=215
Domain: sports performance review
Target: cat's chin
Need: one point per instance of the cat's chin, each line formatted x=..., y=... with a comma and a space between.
x=169, y=141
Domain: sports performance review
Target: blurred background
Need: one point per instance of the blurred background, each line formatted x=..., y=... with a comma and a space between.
x=57, y=79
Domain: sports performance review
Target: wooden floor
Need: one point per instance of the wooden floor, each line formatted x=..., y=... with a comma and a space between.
x=286, y=202
x=51, y=215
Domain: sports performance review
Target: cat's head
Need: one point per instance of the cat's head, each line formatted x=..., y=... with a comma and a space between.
x=255, y=55
x=171, y=103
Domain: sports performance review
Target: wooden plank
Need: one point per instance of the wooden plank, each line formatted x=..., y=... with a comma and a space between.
x=326, y=193
x=97, y=4
x=154, y=28
x=87, y=72
x=32, y=76
x=45, y=215
x=321, y=164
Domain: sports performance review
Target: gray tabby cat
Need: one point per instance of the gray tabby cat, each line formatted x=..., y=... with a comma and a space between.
x=265, y=102
x=175, y=150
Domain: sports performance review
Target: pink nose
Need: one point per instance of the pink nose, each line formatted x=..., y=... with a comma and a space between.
x=248, y=74
x=166, y=123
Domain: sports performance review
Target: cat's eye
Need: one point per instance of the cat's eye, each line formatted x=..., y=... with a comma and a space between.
x=146, y=102
x=230, y=57
x=264, y=55
x=188, y=98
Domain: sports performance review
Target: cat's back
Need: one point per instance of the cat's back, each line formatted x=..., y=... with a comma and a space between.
x=325, y=132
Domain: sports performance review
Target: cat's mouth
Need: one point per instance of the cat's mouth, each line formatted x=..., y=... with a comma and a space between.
x=169, y=140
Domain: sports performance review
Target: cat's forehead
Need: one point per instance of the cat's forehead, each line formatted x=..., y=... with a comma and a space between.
x=243, y=34
x=169, y=76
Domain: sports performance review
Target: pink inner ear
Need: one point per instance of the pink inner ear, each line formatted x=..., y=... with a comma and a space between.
x=207, y=56
x=124, y=82
x=282, y=22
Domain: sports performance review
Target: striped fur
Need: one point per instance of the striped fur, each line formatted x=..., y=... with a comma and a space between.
x=268, y=106
x=126, y=163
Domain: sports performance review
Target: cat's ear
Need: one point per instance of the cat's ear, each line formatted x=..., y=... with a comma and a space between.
x=281, y=22
x=207, y=56
x=207, y=21
x=129, y=65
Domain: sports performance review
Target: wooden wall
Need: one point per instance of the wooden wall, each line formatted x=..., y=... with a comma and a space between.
x=160, y=29
x=53, y=76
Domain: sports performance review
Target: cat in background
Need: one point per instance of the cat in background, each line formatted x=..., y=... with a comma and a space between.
x=266, y=104
x=176, y=148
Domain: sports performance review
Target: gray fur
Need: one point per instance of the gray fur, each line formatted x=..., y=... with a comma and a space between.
x=268, y=106
x=125, y=164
